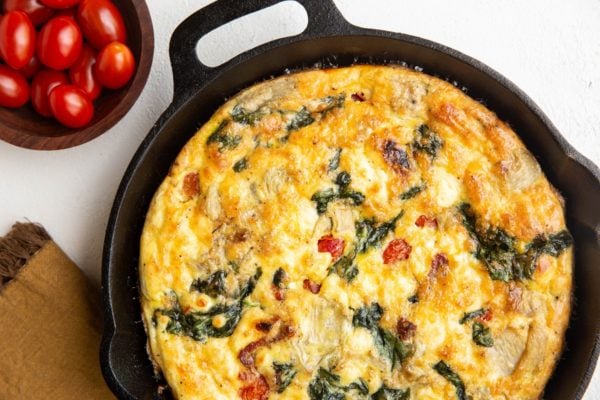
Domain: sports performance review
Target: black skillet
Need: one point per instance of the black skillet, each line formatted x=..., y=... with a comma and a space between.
x=329, y=40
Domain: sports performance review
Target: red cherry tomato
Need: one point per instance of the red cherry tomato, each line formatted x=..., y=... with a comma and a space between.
x=71, y=106
x=14, y=90
x=59, y=43
x=101, y=22
x=42, y=84
x=81, y=73
x=114, y=66
x=31, y=68
x=60, y=3
x=17, y=39
x=37, y=12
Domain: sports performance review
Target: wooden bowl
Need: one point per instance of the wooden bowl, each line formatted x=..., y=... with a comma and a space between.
x=25, y=128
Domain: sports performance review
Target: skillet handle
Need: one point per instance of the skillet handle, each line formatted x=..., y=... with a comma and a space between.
x=189, y=74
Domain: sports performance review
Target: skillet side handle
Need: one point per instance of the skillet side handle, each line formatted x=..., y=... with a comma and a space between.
x=189, y=74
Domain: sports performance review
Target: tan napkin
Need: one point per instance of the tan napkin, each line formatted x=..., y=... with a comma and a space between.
x=50, y=322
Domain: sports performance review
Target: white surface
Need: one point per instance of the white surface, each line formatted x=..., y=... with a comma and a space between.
x=550, y=49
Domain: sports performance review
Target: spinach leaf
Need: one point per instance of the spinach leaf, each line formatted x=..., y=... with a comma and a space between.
x=553, y=245
x=386, y=393
x=357, y=197
x=412, y=192
x=343, y=181
x=240, y=165
x=498, y=252
x=177, y=321
x=482, y=335
x=224, y=140
x=334, y=163
x=198, y=325
x=300, y=120
x=284, y=374
x=332, y=102
x=427, y=141
x=240, y=115
x=213, y=286
x=368, y=234
x=389, y=346
x=444, y=370
x=386, y=343
x=368, y=316
x=304, y=117
x=345, y=268
x=472, y=315
x=248, y=288
x=324, y=197
x=326, y=386
x=234, y=266
x=496, y=249
x=360, y=386
x=469, y=221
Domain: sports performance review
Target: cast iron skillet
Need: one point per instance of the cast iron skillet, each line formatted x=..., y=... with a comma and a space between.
x=327, y=41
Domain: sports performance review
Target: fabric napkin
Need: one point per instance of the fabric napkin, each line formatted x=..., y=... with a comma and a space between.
x=50, y=322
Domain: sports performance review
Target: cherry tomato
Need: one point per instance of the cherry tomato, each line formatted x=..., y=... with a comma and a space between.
x=101, y=22
x=81, y=73
x=114, y=66
x=60, y=3
x=14, y=90
x=71, y=106
x=42, y=84
x=37, y=12
x=31, y=68
x=59, y=43
x=17, y=39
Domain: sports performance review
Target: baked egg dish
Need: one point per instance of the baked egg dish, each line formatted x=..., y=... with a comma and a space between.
x=368, y=232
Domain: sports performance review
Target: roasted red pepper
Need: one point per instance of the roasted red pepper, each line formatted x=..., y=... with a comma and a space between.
x=331, y=245
x=396, y=250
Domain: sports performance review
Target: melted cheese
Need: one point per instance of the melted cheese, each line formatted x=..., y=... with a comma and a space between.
x=240, y=196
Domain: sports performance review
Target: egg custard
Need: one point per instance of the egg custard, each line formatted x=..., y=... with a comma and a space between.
x=368, y=232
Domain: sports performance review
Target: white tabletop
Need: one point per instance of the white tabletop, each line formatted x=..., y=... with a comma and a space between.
x=549, y=48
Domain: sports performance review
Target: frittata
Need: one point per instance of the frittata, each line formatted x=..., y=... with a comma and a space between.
x=368, y=232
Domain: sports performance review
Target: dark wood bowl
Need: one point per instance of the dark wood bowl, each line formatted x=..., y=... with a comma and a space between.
x=25, y=128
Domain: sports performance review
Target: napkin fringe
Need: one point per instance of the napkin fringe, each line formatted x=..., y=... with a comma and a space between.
x=23, y=241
